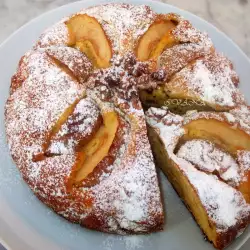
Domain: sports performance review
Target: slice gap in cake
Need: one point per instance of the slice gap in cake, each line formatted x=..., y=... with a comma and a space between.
x=158, y=98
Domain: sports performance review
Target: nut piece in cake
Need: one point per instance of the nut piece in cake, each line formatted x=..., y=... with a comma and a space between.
x=88, y=36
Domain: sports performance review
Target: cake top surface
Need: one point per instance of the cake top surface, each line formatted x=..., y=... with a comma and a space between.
x=54, y=75
x=47, y=89
x=210, y=78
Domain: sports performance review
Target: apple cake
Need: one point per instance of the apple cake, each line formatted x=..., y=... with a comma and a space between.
x=77, y=131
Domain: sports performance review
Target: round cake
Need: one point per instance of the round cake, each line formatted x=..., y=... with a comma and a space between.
x=77, y=131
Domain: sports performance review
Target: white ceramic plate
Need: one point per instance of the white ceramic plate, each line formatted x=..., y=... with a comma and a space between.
x=26, y=224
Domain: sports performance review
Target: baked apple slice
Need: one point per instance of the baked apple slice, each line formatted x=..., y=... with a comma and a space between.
x=79, y=128
x=220, y=132
x=168, y=40
x=99, y=146
x=89, y=37
x=74, y=133
x=155, y=40
x=53, y=132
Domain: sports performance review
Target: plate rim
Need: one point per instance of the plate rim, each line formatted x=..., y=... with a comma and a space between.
x=152, y=2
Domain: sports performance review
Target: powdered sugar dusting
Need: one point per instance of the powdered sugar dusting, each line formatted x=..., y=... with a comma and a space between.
x=171, y=131
x=78, y=127
x=55, y=35
x=192, y=45
x=207, y=157
x=131, y=242
x=135, y=183
x=75, y=60
x=225, y=205
x=243, y=157
x=186, y=33
x=210, y=79
x=242, y=116
x=123, y=23
x=34, y=107
x=179, y=56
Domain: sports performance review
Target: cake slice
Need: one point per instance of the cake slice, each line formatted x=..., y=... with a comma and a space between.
x=207, y=83
x=213, y=193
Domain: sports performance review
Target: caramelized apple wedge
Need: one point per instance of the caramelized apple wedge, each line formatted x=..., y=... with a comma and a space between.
x=155, y=40
x=89, y=37
x=79, y=128
x=168, y=40
x=89, y=50
x=99, y=146
x=220, y=132
x=54, y=130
